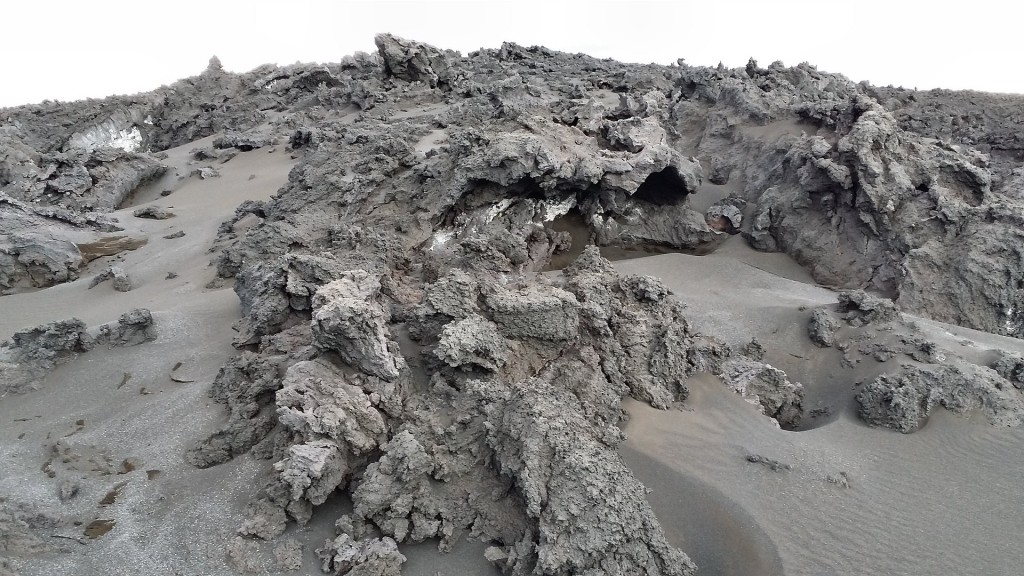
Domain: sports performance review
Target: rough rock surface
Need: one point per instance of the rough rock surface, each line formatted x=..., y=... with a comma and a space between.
x=370, y=557
x=1011, y=367
x=134, y=327
x=412, y=61
x=33, y=352
x=39, y=246
x=153, y=212
x=119, y=278
x=348, y=319
x=397, y=342
x=767, y=386
x=822, y=328
x=472, y=341
x=904, y=400
x=861, y=308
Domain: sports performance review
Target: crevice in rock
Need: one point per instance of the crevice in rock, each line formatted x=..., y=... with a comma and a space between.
x=664, y=188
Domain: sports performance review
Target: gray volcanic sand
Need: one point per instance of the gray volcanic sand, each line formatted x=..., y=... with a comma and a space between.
x=943, y=500
x=183, y=516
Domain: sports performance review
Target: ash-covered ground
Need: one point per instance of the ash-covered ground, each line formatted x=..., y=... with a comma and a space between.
x=451, y=271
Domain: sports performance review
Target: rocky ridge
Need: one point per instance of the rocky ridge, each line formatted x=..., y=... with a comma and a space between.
x=401, y=341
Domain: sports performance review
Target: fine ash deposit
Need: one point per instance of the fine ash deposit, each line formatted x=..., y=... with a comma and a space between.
x=517, y=312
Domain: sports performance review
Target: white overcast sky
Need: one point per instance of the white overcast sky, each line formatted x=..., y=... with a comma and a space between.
x=66, y=50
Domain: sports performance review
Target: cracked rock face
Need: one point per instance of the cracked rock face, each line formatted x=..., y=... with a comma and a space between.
x=348, y=320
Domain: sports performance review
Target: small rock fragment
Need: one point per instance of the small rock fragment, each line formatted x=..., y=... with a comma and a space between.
x=822, y=328
x=153, y=213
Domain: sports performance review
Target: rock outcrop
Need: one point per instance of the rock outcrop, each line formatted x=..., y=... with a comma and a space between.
x=349, y=319
x=413, y=61
x=904, y=400
x=767, y=386
x=32, y=353
x=822, y=328
x=398, y=342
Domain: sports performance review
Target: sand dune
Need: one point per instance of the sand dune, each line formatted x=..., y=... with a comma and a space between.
x=941, y=500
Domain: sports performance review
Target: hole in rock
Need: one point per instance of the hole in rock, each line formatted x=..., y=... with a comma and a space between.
x=572, y=223
x=665, y=188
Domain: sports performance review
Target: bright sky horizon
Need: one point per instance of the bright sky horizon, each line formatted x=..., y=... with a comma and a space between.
x=68, y=50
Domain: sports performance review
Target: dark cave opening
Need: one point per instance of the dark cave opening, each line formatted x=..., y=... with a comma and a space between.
x=664, y=188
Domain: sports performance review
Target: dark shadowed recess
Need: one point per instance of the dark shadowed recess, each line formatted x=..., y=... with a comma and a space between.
x=664, y=188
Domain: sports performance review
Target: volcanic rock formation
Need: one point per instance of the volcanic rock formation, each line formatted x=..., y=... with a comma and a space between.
x=429, y=324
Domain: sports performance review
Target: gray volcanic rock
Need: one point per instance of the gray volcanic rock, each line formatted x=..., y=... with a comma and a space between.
x=134, y=327
x=370, y=557
x=312, y=470
x=316, y=401
x=38, y=246
x=767, y=386
x=247, y=385
x=395, y=492
x=412, y=61
x=51, y=343
x=543, y=312
x=348, y=320
x=397, y=343
x=153, y=213
x=33, y=352
x=245, y=141
x=822, y=328
x=590, y=509
x=904, y=400
x=861, y=308
x=472, y=341
x=1011, y=367
x=726, y=216
x=82, y=177
x=121, y=281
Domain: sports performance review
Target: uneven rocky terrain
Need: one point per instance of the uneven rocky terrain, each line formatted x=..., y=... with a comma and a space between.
x=518, y=312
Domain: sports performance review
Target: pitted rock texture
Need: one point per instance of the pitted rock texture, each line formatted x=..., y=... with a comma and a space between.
x=348, y=320
x=767, y=386
x=33, y=352
x=412, y=61
x=822, y=328
x=903, y=401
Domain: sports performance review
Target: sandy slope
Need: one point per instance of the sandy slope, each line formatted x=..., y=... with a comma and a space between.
x=944, y=500
x=168, y=514
x=171, y=518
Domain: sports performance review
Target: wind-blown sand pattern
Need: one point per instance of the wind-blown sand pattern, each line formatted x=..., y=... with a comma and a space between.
x=516, y=312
